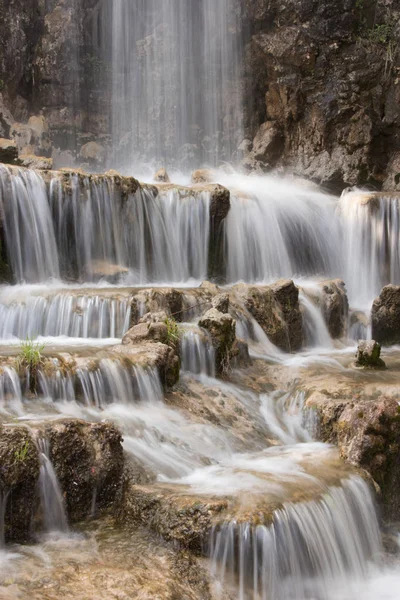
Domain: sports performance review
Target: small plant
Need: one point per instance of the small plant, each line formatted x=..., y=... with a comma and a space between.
x=30, y=359
x=173, y=333
x=20, y=455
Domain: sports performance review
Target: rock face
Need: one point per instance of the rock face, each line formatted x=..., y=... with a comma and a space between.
x=368, y=355
x=385, y=316
x=8, y=151
x=222, y=330
x=276, y=308
x=312, y=105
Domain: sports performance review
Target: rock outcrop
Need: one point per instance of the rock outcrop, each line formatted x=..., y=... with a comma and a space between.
x=368, y=355
x=335, y=307
x=385, y=316
x=222, y=330
x=276, y=308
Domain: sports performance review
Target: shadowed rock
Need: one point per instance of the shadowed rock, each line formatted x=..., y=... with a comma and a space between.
x=368, y=355
x=385, y=316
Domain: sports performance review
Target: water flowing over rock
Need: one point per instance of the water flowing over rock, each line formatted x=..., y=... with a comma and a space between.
x=222, y=330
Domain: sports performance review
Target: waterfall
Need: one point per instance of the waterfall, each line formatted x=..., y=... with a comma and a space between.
x=198, y=354
x=10, y=391
x=308, y=548
x=279, y=229
x=29, y=234
x=372, y=230
x=52, y=501
x=176, y=90
x=65, y=314
x=316, y=331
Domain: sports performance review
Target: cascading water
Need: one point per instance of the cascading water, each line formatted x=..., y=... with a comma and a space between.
x=308, y=550
x=198, y=354
x=371, y=232
x=176, y=90
x=64, y=314
x=52, y=501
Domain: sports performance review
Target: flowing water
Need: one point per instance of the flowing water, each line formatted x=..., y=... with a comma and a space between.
x=52, y=501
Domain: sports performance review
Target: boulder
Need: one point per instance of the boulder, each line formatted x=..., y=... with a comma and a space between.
x=222, y=330
x=385, y=316
x=335, y=307
x=277, y=310
x=161, y=176
x=8, y=151
x=19, y=473
x=221, y=303
x=88, y=460
x=368, y=355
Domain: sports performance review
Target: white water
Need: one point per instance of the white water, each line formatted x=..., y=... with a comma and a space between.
x=52, y=501
x=176, y=94
x=198, y=354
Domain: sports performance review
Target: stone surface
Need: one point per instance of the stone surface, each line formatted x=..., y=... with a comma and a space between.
x=94, y=154
x=276, y=308
x=368, y=355
x=8, y=151
x=40, y=163
x=19, y=473
x=222, y=330
x=88, y=460
x=144, y=332
x=335, y=307
x=385, y=316
x=203, y=176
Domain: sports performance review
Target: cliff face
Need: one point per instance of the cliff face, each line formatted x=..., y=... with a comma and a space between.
x=325, y=89
x=323, y=83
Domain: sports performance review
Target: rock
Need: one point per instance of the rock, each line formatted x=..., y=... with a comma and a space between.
x=8, y=151
x=102, y=269
x=32, y=137
x=155, y=317
x=39, y=163
x=19, y=473
x=146, y=331
x=222, y=330
x=335, y=307
x=221, y=303
x=88, y=460
x=385, y=316
x=166, y=300
x=203, y=176
x=268, y=144
x=277, y=310
x=368, y=355
x=94, y=153
x=161, y=176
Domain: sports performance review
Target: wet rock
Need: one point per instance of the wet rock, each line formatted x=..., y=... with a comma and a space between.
x=219, y=209
x=186, y=521
x=156, y=317
x=385, y=316
x=335, y=307
x=8, y=151
x=88, y=459
x=222, y=329
x=203, y=176
x=368, y=355
x=221, y=303
x=103, y=269
x=168, y=300
x=40, y=163
x=19, y=473
x=94, y=154
x=268, y=144
x=146, y=331
x=161, y=176
x=277, y=310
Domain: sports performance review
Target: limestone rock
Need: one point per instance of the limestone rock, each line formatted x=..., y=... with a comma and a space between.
x=268, y=143
x=368, y=355
x=8, y=151
x=385, y=316
x=335, y=307
x=88, y=459
x=222, y=330
x=40, y=163
x=161, y=176
x=276, y=308
x=19, y=474
x=147, y=331
x=221, y=303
